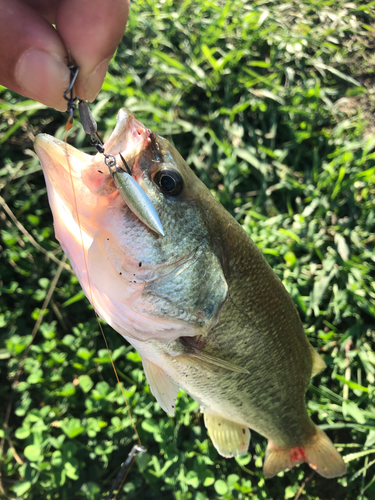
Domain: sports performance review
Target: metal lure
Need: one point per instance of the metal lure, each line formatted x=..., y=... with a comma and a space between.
x=137, y=200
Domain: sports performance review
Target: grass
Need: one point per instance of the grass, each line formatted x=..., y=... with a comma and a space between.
x=272, y=105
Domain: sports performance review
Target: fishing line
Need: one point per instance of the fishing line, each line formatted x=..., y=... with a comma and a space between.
x=89, y=283
x=71, y=107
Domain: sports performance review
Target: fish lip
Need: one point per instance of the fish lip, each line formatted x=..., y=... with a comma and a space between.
x=128, y=131
x=58, y=152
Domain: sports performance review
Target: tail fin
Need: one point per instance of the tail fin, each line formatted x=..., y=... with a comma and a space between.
x=318, y=452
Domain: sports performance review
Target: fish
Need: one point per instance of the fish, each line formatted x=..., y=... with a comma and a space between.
x=200, y=303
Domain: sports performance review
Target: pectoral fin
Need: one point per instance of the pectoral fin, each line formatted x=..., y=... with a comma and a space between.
x=162, y=386
x=229, y=438
x=210, y=359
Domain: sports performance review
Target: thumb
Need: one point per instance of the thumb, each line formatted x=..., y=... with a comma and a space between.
x=91, y=30
x=33, y=58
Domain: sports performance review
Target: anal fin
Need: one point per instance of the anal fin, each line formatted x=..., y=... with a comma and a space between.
x=162, y=386
x=229, y=438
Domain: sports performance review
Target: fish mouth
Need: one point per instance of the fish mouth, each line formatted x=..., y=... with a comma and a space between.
x=96, y=228
x=85, y=180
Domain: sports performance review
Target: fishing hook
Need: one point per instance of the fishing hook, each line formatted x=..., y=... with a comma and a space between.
x=71, y=105
x=125, y=164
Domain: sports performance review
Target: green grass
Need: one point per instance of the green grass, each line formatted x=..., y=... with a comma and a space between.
x=272, y=105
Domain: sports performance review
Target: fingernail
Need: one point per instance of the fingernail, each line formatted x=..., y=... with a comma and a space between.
x=95, y=81
x=43, y=77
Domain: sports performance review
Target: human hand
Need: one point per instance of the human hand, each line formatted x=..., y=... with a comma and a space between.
x=34, y=55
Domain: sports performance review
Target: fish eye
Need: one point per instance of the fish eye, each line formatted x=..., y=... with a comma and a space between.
x=169, y=181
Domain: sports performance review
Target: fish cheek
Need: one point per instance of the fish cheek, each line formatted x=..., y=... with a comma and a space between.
x=194, y=293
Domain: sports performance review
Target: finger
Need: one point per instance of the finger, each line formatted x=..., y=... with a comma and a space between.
x=33, y=58
x=45, y=8
x=92, y=30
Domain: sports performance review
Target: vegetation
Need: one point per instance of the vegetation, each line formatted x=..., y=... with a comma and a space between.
x=272, y=104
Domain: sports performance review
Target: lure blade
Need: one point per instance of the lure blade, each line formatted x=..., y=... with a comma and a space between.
x=137, y=201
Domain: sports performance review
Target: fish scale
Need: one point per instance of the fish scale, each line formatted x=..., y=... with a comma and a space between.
x=201, y=304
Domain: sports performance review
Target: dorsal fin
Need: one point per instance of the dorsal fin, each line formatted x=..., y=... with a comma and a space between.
x=318, y=363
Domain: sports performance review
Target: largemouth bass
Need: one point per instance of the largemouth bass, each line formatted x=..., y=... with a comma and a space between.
x=200, y=304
